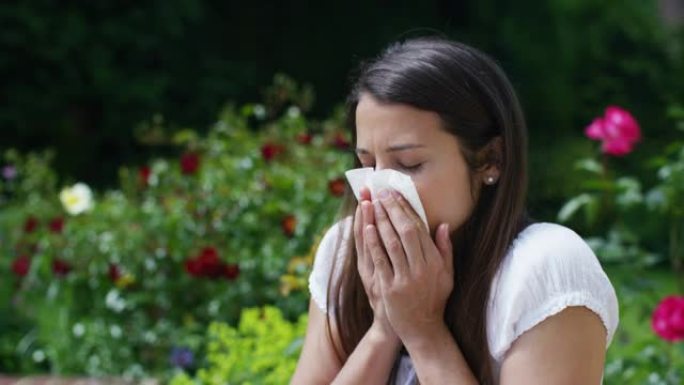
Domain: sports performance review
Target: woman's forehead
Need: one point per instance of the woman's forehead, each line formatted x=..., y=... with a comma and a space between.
x=385, y=125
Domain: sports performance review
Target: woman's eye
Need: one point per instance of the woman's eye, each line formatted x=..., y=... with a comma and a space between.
x=413, y=168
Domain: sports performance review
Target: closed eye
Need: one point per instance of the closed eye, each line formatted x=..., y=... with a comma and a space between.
x=413, y=168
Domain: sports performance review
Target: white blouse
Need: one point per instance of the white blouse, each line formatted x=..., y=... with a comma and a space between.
x=547, y=268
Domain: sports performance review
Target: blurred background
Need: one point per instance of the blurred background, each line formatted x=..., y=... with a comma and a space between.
x=168, y=168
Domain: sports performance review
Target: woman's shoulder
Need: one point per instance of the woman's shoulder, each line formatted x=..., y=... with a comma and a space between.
x=547, y=237
x=545, y=245
x=547, y=268
x=546, y=252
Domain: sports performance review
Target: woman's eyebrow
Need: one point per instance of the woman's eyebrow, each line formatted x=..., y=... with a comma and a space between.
x=398, y=147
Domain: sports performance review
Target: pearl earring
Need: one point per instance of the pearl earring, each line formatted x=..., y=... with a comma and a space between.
x=489, y=180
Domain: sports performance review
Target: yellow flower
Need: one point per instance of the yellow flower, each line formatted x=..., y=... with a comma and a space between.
x=125, y=280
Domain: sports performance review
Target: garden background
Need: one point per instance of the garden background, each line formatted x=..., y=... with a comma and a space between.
x=168, y=168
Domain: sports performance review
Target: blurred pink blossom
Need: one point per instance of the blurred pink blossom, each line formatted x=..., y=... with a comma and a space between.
x=617, y=129
x=668, y=319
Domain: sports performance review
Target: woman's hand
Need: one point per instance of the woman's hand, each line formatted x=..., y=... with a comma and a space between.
x=417, y=275
x=371, y=281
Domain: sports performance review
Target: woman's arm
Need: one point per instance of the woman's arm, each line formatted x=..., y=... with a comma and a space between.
x=370, y=363
x=436, y=356
x=318, y=363
x=566, y=348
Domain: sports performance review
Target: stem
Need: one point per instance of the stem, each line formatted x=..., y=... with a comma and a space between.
x=675, y=258
x=669, y=354
x=605, y=200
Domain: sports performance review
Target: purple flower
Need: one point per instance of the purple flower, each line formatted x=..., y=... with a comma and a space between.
x=181, y=357
x=9, y=172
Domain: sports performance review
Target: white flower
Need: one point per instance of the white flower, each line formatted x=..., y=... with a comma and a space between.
x=77, y=198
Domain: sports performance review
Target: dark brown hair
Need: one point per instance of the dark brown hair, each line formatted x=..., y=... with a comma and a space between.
x=477, y=104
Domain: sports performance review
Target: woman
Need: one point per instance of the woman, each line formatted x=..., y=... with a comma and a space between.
x=482, y=296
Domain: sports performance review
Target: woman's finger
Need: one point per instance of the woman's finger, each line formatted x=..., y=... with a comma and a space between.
x=358, y=239
x=391, y=240
x=367, y=218
x=381, y=261
x=408, y=209
x=408, y=231
x=443, y=241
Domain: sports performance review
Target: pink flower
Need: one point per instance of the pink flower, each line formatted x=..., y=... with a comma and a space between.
x=668, y=319
x=617, y=129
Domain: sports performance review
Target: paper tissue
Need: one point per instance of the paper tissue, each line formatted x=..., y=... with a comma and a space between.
x=386, y=178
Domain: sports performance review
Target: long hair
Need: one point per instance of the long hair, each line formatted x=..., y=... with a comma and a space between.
x=476, y=103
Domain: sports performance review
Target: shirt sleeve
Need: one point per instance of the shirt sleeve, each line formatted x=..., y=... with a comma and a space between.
x=549, y=269
x=324, y=259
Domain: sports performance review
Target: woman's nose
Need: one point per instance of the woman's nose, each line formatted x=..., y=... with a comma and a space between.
x=380, y=166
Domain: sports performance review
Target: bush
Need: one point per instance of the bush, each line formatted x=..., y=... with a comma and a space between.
x=116, y=281
x=263, y=349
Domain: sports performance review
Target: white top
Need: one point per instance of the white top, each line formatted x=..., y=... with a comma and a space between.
x=547, y=268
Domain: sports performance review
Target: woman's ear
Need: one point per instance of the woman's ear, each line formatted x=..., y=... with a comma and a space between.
x=490, y=158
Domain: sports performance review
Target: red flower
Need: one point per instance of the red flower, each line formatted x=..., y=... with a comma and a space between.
x=210, y=266
x=144, y=174
x=271, y=150
x=21, y=265
x=189, y=163
x=231, y=271
x=340, y=141
x=114, y=272
x=60, y=267
x=207, y=264
x=337, y=186
x=668, y=319
x=617, y=129
x=31, y=224
x=209, y=256
x=289, y=224
x=57, y=225
x=304, y=138
x=192, y=267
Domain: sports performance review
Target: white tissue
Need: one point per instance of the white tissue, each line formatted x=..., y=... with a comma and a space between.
x=383, y=179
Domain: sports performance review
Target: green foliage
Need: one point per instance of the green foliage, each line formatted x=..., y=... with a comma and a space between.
x=113, y=291
x=637, y=355
x=263, y=349
x=627, y=209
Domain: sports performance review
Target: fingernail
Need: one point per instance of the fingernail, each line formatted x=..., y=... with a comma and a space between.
x=384, y=194
x=395, y=194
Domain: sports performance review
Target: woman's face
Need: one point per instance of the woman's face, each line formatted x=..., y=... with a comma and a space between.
x=412, y=141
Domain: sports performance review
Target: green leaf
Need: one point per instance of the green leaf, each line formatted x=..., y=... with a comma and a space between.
x=570, y=207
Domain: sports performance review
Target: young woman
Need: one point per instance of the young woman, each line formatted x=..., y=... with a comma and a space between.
x=482, y=296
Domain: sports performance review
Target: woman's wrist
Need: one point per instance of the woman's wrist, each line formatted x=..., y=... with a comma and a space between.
x=429, y=338
x=380, y=332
